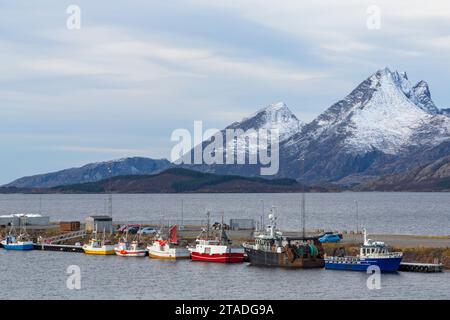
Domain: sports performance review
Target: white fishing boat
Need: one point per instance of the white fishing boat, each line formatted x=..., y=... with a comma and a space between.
x=125, y=248
x=168, y=249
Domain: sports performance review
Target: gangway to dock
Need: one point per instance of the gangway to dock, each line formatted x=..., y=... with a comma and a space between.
x=64, y=237
x=421, y=267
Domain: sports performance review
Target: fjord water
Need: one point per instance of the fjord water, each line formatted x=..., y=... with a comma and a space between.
x=43, y=275
x=380, y=212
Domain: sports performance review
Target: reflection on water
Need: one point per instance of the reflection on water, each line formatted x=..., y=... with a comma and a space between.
x=42, y=275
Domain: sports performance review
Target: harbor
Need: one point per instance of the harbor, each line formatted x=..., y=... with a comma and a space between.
x=61, y=243
x=421, y=253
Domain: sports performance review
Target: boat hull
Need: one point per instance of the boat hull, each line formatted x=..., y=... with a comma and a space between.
x=219, y=258
x=281, y=259
x=19, y=247
x=171, y=254
x=99, y=251
x=131, y=253
x=385, y=264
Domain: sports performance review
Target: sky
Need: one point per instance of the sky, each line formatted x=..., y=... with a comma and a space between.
x=137, y=70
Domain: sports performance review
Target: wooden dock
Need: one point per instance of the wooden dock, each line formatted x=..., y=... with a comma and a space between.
x=57, y=247
x=421, y=267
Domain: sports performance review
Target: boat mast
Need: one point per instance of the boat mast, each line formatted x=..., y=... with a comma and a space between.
x=207, y=226
x=221, y=231
x=182, y=214
x=110, y=191
x=303, y=209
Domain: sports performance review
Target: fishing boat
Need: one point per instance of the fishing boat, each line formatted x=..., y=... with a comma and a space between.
x=218, y=249
x=127, y=248
x=19, y=242
x=167, y=248
x=272, y=249
x=130, y=249
x=98, y=246
x=371, y=253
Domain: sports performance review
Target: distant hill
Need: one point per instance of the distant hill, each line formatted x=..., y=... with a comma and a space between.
x=93, y=172
x=434, y=176
x=179, y=180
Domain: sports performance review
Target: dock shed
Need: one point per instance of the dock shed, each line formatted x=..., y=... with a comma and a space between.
x=102, y=223
x=21, y=219
x=242, y=224
x=69, y=226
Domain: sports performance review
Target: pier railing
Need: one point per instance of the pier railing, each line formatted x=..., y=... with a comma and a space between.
x=63, y=237
x=165, y=222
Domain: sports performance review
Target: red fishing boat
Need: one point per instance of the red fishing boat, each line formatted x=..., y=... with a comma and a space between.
x=217, y=249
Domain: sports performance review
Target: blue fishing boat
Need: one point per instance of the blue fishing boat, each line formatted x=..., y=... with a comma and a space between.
x=20, y=242
x=13, y=243
x=372, y=253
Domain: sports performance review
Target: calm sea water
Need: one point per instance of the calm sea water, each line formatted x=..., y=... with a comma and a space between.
x=43, y=275
x=403, y=213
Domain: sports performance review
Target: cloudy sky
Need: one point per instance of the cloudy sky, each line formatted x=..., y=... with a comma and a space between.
x=137, y=70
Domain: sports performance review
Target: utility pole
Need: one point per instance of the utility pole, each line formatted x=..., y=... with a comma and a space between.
x=110, y=191
x=207, y=226
x=303, y=210
x=262, y=215
x=182, y=215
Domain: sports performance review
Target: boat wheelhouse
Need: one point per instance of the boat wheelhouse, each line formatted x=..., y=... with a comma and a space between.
x=99, y=246
x=371, y=253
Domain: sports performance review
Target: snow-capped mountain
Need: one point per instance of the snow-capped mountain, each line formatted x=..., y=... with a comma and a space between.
x=93, y=172
x=384, y=125
x=275, y=116
x=383, y=120
x=252, y=134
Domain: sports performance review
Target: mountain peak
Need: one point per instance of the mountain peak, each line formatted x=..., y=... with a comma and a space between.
x=272, y=109
x=421, y=96
x=274, y=116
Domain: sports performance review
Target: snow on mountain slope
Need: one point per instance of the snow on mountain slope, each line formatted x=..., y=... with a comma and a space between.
x=388, y=120
x=275, y=116
x=384, y=125
x=261, y=124
x=422, y=98
x=93, y=172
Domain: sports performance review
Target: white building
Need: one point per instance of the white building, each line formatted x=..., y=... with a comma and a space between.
x=21, y=219
x=102, y=223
